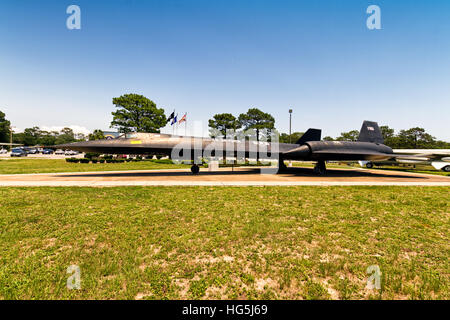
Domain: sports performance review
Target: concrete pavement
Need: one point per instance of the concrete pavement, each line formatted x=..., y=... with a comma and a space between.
x=227, y=177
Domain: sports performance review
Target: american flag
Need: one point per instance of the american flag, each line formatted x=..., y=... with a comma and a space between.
x=182, y=119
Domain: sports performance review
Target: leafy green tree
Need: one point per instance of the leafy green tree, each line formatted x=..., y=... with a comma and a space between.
x=5, y=126
x=66, y=136
x=222, y=122
x=47, y=139
x=96, y=135
x=442, y=145
x=389, y=137
x=31, y=136
x=387, y=132
x=80, y=137
x=67, y=131
x=348, y=136
x=35, y=136
x=136, y=113
x=328, y=138
x=416, y=138
x=284, y=137
x=257, y=120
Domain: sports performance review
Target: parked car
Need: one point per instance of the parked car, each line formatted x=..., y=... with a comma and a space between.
x=71, y=153
x=59, y=151
x=3, y=151
x=31, y=150
x=47, y=151
x=18, y=153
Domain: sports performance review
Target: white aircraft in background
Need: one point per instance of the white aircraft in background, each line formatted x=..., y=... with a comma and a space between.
x=438, y=158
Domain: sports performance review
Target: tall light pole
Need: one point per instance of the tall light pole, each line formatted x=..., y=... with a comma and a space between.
x=290, y=124
x=10, y=137
x=290, y=132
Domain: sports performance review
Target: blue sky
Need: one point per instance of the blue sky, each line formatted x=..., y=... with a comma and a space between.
x=208, y=57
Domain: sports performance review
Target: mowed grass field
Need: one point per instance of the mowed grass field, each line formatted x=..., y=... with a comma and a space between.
x=19, y=166
x=225, y=242
x=27, y=166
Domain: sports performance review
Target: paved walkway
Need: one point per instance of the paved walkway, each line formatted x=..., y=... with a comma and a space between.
x=227, y=177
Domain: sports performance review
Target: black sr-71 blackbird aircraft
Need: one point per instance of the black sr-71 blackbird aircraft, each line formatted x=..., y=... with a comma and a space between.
x=369, y=147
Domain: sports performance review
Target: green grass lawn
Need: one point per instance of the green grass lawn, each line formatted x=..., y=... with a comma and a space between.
x=60, y=165
x=224, y=242
x=24, y=166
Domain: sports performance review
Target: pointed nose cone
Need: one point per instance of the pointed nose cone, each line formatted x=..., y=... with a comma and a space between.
x=300, y=153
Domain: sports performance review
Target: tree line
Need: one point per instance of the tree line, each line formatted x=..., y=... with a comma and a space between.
x=254, y=119
x=137, y=113
x=35, y=136
x=413, y=138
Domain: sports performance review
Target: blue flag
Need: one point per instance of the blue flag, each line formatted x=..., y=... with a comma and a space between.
x=174, y=120
x=172, y=115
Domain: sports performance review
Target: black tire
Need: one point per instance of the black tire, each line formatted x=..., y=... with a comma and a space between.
x=369, y=165
x=320, y=168
x=195, y=169
x=446, y=169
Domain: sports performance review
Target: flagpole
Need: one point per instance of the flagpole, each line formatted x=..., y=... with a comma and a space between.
x=175, y=122
x=171, y=118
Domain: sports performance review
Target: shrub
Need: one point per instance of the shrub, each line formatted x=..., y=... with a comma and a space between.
x=84, y=160
x=90, y=155
x=94, y=160
x=101, y=160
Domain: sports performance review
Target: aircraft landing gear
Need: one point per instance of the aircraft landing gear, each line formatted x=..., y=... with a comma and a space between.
x=446, y=169
x=320, y=168
x=369, y=165
x=281, y=166
x=195, y=169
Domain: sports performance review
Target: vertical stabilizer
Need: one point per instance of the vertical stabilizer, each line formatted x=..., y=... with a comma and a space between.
x=370, y=132
x=310, y=135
